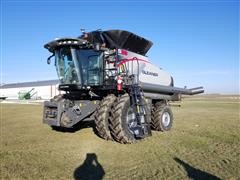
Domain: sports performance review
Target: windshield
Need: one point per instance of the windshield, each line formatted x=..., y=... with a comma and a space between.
x=66, y=67
x=79, y=66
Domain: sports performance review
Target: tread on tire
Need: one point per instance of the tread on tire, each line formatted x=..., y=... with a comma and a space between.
x=103, y=115
x=159, y=109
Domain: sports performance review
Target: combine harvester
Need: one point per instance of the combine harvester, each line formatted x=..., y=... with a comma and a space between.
x=108, y=77
x=25, y=95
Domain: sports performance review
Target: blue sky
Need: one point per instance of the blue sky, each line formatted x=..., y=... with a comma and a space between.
x=196, y=41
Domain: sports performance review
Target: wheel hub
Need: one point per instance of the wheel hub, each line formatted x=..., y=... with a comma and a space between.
x=166, y=119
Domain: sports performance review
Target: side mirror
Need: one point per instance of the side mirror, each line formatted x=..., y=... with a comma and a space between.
x=49, y=59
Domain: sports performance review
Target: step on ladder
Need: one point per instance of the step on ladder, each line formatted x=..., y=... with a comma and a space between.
x=139, y=105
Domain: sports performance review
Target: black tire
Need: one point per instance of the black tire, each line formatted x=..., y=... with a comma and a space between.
x=119, y=126
x=103, y=115
x=162, y=117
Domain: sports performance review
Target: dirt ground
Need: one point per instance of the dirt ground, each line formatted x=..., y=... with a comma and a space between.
x=203, y=143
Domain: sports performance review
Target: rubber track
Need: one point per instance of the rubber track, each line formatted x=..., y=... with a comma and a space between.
x=103, y=114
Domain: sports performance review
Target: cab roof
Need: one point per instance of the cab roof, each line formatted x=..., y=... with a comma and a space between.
x=112, y=39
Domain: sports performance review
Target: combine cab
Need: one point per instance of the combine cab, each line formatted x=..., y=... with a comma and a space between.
x=107, y=77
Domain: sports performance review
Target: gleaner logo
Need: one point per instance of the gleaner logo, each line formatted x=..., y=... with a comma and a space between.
x=149, y=73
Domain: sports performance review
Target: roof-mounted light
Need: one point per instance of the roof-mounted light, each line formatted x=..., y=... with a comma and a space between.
x=65, y=41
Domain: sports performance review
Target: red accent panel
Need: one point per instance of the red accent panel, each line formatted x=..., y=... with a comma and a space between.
x=124, y=52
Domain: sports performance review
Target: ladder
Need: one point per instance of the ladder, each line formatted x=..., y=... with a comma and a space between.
x=139, y=105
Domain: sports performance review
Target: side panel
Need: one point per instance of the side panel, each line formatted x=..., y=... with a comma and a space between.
x=132, y=63
x=154, y=75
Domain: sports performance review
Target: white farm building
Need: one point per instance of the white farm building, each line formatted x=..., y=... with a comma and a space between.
x=37, y=89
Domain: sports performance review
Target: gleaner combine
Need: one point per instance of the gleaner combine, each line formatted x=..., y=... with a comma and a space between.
x=107, y=77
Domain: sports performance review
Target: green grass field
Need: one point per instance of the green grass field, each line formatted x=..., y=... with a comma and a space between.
x=204, y=142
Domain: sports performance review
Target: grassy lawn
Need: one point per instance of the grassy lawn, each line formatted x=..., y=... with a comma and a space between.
x=204, y=142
